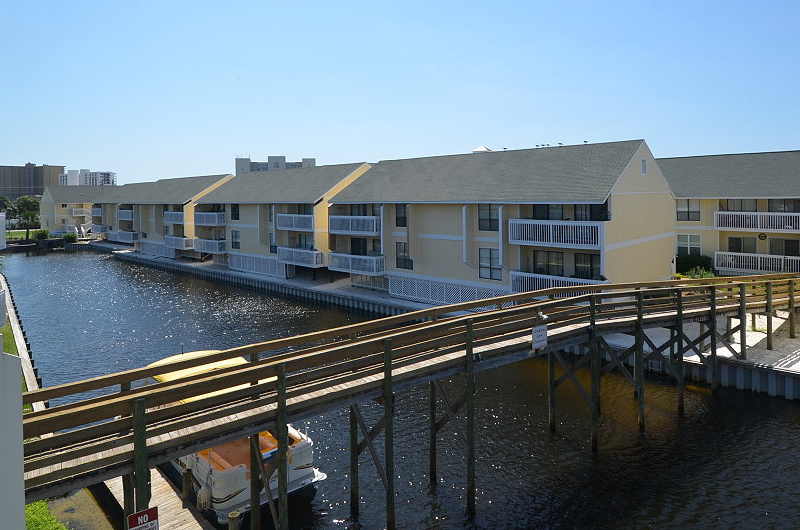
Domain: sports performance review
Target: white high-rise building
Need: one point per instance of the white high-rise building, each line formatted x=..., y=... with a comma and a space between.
x=84, y=177
x=245, y=165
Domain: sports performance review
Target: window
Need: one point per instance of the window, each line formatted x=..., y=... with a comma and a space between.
x=273, y=247
x=547, y=262
x=746, y=245
x=358, y=246
x=488, y=217
x=551, y=212
x=305, y=209
x=63, y=205
x=784, y=247
x=742, y=205
x=688, y=209
x=400, y=215
x=403, y=260
x=644, y=166
x=358, y=209
x=166, y=230
x=489, y=264
x=784, y=205
x=587, y=266
x=688, y=244
x=235, y=241
x=234, y=212
x=271, y=209
x=591, y=212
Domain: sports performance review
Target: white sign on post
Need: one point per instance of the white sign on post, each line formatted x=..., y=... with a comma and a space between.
x=539, y=339
x=144, y=520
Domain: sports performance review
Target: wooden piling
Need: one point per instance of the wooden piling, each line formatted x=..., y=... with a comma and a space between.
x=388, y=431
x=679, y=368
x=354, y=495
x=282, y=452
x=712, y=326
x=551, y=390
x=141, y=473
x=743, y=321
x=638, y=358
x=792, y=315
x=432, y=434
x=594, y=351
x=769, y=315
x=255, y=483
x=470, y=373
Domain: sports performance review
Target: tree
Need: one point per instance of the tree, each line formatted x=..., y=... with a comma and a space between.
x=28, y=214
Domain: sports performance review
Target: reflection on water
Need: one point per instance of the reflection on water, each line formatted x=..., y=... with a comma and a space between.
x=730, y=463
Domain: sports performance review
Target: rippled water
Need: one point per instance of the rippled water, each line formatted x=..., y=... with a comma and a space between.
x=731, y=463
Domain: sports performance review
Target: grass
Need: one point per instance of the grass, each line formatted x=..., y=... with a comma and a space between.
x=9, y=345
x=15, y=234
x=38, y=517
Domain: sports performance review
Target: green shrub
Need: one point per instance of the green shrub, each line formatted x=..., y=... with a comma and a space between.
x=41, y=234
x=700, y=272
x=70, y=238
x=685, y=263
x=38, y=517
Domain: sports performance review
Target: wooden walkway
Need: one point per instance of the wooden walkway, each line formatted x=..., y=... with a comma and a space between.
x=171, y=513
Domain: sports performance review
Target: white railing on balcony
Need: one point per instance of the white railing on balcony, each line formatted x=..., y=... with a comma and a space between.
x=85, y=212
x=97, y=212
x=757, y=221
x=741, y=263
x=302, y=257
x=209, y=218
x=210, y=246
x=125, y=215
x=568, y=234
x=99, y=229
x=175, y=218
x=369, y=265
x=180, y=243
x=123, y=236
x=354, y=225
x=302, y=223
x=522, y=282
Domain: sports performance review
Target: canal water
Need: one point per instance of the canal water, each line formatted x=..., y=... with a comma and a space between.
x=732, y=462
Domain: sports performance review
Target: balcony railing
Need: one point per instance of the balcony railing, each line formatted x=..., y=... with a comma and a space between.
x=354, y=225
x=125, y=215
x=99, y=229
x=123, y=236
x=300, y=223
x=369, y=265
x=302, y=257
x=97, y=212
x=567, y=234
x=85, y=212
x=522, y=282
x=757, y=221
x=175, y=218
x=209, y=218
x=210, y=246
x=741, y=263
x=180, y=243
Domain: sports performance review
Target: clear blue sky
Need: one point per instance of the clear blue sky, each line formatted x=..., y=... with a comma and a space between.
x=167, y=88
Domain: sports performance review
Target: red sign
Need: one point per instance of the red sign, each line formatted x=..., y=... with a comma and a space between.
x=144, y=520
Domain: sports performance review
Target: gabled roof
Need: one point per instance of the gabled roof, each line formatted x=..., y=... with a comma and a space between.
x=746, y=175
x=576, y=173
x=165, y=191
x=79, y=194
x=300, y=185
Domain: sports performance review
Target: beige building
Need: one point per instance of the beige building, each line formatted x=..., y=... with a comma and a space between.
x=743, y=210
x=30, y=179
x=463, y=227
x=68, y=209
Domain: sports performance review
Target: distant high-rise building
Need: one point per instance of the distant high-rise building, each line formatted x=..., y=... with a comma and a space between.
x=30, y=179
x=84, y=177
x=245, y=165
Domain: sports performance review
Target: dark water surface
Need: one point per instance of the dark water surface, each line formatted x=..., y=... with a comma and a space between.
x=732, y=462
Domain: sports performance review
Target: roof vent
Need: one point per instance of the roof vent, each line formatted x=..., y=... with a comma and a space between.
x=482, y=149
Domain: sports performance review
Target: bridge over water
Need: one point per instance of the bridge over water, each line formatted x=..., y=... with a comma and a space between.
x=116, y=425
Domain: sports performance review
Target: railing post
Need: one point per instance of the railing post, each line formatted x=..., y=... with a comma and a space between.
x=638, y=359
x=792, y=316
x=679, y=354
x=594, y=351
x=769, y=315
x=470, y=424
x=255, y=472
x=354, y=495
x=141, y=472
x=712, y=326
x=283, y=449
x=128, y=482
x=743, y=320
x=388, y=407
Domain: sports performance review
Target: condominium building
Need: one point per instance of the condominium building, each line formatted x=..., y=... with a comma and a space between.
x=245, y=165
x=30, y=179
x=84, y=177
x=68, y=209
x=741, y=209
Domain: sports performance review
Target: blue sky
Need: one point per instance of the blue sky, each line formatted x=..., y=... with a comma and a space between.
x=159, y=89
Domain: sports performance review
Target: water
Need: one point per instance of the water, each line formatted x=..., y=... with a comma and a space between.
x=731, y=463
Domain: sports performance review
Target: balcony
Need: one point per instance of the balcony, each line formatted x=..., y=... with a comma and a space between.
x=97, y=212
x=81, y=212
x=354, y=225
x=210, y=246
x=179, y=243
x=175, y=218
x=522, y=282
x=99, y=229
x=123, y=236
x=298, y=223
x=125, y=215
x=209, y=218
x=564, y=234
x=368, y=265
x=733, y=263
x=302, y=257
x=757, y=221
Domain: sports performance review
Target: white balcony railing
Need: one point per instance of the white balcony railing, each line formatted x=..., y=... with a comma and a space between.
x=97, y=212
x=210, y=246
x=567, y=234
x=369, y=265
x=99, y=229
x=302, y=257
x=758, y=221
x=741, y=263
x=522, y=282
x=175, y=218
x=301, y=223
x=123, y=236
x=180, y=243
x=356, y=225
x=209, y=218
x=125, y=215
x=85, y=212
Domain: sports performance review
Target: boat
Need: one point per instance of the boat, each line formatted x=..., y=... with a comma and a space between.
x=221, y=474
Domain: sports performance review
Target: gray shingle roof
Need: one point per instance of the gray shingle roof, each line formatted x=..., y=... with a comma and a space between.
x=746, y=175
x=300, y=185
x=79, y=194
x=576, y=173
x=164, y=191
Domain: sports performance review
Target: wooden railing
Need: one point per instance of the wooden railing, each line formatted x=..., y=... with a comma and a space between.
x=89, y=433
